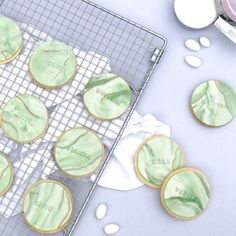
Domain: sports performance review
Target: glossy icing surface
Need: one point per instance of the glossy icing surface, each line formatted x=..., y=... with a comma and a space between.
x=6, y=174
x=156, y=158
x=10, y=39
x=214, y=103
x=107, y=96
x=24, y=118
x=48, y=206
x=185, y=193
x=79, y=152
x=53, y=64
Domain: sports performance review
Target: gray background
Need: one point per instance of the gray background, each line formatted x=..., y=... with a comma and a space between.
x=140, y=212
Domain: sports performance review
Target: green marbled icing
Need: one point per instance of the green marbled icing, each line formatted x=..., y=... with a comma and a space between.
x=186, y=194
x=79, y=152
x=157, y=158
x=107, y=96
x=6, y=175
x=24, y=118
x=53, y=64
x=214, y=103
x=48, y=206
x=10, y=39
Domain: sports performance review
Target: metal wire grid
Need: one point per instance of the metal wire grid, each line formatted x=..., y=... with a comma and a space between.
x=124, y=45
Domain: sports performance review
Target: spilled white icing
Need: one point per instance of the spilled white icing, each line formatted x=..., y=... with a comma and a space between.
x=205, y=42
x=192, y=45
x=193, y=61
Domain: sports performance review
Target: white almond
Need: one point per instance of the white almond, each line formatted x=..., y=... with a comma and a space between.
x=111, y=228
x=193, y=61
x=93, y=178
x=192, y=45
x=101, y=211
x=205, y=42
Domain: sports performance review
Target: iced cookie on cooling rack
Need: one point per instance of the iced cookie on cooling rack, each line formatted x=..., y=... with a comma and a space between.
x=107, y=96
x=79, y=152
x=185, y=194
x=24, y=119
x=11, y=40
x=213, y=103
x=156, y=158
x=48, y=206
x=52, y=65
x=6, y=174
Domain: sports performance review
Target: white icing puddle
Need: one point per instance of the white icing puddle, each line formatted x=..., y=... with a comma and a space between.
x=193, y=61
x=192, y=45
x=111, y=229
x=101, y=211
x=205, y=42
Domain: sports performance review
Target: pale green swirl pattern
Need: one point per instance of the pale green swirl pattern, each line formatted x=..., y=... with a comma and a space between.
x=48, y=206
x=157, y=158
x=53, y=64
x=79, y=152
x=214, y=103
x=10, y=39
x=107, y=96
x=24, y=118
x=6, y=174
x=186, y=193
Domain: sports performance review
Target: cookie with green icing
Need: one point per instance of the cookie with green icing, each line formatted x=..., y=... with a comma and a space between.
x=156, y=158
x=48, y=206
x=10, y=40
x=107, y=96
x=24, y=119
x=214, y=103
x=52, y=65
x=79, y=152
x=185, y=194
x=6, y=174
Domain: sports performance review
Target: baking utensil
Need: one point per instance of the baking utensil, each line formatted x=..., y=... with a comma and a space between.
x=199, y=14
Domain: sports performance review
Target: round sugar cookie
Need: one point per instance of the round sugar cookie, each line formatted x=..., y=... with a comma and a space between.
x=48, y=206
x=6, y=174
x=79, y=152
x=52, y=65
x=107, y=96
x=156, y=158
x=185, y=193
x=24, y=119
x=213, y=103
x=11, y=40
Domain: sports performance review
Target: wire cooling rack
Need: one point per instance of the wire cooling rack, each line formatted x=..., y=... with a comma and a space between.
x=102, y=41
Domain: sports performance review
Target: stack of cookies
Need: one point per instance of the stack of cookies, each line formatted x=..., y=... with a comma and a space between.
x=160, y=163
